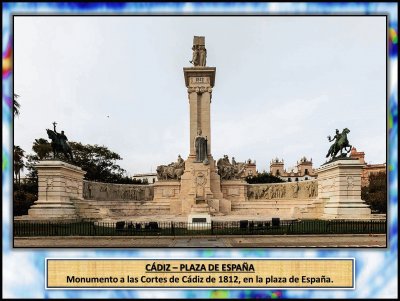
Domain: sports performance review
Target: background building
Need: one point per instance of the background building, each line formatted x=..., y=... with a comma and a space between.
x=150, y=177
x=251, y=169
x=368, y=168
x=303, y=170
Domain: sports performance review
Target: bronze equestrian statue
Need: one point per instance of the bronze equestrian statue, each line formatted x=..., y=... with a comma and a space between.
x=59, y=143
x=341, y=143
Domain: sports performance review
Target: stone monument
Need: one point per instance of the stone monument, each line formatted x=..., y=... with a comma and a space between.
x=59, y=184
x=200, y=187
x=194, y=189
x=200, y=192
x=339, y=182
x=339, y=185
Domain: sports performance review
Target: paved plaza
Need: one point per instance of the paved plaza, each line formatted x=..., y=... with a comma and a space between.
x=254, y=241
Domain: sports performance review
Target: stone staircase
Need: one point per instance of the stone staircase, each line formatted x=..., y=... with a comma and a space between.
x=293, y=208
x=202, y=207
x=119, y=209
x=311, y=211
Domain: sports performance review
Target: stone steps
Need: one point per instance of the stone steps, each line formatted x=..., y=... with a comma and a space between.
x=99, y=210
x=276, y=208
x=275, y=201
x=202, y=208
x=121, y=203
x=270, y=205
x=127, y=206
x=86, y=203
x=46, y=219
x=133, y=211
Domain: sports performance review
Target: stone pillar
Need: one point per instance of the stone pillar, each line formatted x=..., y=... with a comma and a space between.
x=59, y=182
x=205, y=116
x=193, y=100
x=200, y=184
x=339, y=184
x=200, y=81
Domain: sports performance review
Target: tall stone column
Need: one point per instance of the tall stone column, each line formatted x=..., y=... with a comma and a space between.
x=206, y=116
x=200, y=189
x=199, y=82
x=193, y=111
x=200, y=182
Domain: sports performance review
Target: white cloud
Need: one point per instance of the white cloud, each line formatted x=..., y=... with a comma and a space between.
x=23, y=276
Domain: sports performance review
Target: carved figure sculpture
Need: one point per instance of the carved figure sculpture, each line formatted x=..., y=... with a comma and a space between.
x=229, y=171
x=200, y=145
x=173, y=171
x=199, y=56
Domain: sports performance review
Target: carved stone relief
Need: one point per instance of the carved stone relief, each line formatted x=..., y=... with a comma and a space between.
x=108, y=191
x=306, y=189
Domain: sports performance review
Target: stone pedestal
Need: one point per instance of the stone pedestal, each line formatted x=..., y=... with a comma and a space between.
x=235, y=190
x=59, y=182
x=201, y=183
x=339, y=184
x=166, y=189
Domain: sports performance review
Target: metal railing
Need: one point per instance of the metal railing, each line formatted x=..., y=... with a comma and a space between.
x=244, y=227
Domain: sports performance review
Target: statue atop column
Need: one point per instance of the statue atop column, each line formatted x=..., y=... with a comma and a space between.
x=199, y=52
x=200, y=145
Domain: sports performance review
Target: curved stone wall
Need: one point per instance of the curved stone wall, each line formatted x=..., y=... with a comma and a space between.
x=293, y=190
x=108, y=191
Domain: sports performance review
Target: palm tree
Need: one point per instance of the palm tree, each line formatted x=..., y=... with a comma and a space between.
x=18, y=162
x=16, y=105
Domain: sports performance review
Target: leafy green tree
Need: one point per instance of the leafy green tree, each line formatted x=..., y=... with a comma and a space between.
x=375, y=194
x=263, y=177
x=42, y=148
x=99, y=163
x=24, y=197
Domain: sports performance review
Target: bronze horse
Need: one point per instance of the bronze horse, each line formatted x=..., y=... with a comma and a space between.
x=339, y=145
x=59, y=146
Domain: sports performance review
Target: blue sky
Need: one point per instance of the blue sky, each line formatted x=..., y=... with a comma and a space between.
x=283, y=84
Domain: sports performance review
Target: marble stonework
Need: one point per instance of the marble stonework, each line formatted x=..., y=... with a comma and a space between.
x=292, y=190
x=339, y=184
x=59, y=183
x=110, y=191
x=195, y=188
